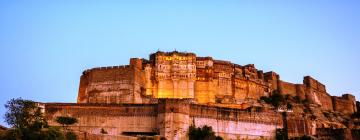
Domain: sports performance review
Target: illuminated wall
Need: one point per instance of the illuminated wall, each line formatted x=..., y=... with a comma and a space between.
x=174, y=75
x=182, y=75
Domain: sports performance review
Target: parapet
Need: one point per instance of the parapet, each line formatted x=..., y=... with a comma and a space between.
x=222, y=62
x=314, y=84
x=271, y=76
x=204, y=58
x=105, y=68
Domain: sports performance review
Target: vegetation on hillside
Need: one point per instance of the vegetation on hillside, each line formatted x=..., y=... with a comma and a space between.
x=28, y=123
x=276, y=99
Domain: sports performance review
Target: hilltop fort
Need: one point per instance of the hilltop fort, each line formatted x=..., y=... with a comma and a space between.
x=170, y=91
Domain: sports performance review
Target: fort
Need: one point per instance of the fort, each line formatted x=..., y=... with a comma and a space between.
x=165, y=94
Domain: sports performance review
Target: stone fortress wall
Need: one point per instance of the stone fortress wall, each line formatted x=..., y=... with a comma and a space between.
x=170, y=118
x=115, y=119
x=173, y=90
x=183, y=75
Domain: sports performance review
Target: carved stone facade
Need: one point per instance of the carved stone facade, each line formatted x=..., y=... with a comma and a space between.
x=173, y=90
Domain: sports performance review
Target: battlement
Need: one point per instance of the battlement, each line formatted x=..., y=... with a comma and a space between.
x=105, y=68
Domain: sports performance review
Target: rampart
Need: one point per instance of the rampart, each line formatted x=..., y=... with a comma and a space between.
x=173, y=90
x=183, y=75
x=170, y=118
x=113, y=85
x=115, y=119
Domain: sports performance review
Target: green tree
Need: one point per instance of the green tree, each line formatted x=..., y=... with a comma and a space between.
x=204, y=133
x=66, y=121
x=28, y=122
x=24, y=114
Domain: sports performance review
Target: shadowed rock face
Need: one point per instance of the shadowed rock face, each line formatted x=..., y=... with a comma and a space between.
x=173, y=90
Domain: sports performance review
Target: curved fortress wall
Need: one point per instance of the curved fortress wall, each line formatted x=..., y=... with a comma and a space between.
x=112, y=85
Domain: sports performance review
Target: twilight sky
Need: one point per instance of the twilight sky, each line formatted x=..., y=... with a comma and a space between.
x=45, y=46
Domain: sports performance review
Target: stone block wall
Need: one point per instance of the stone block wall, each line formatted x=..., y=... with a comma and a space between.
x=299, y=126
x=107, y=85
x=232, y=123
x=288, y=88
x=222, y=78
x=272, y=79
x=113, y=85
x=115, y=119
x=345, y=104
x=228, y=129
x=169, y=118
x=316, y=93
x=173, y=118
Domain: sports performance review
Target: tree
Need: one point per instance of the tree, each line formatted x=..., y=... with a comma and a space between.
x=204, y=133
x=27, y=122
x=24, y=114
x=66, y=121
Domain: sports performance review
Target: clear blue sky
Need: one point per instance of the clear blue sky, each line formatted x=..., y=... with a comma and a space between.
x=45, y=45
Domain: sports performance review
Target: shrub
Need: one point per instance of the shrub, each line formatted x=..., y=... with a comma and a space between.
x=280, y=134
x=204, y=133
x=66, y=121
x=276, y=99
x=102, y=131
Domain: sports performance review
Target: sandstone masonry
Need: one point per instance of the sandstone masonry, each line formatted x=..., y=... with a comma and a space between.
x=173, y=90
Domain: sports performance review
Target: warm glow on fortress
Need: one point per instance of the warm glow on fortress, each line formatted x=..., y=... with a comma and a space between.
x=172, y=90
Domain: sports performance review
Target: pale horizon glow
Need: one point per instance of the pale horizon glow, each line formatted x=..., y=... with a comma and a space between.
x=45, y=46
